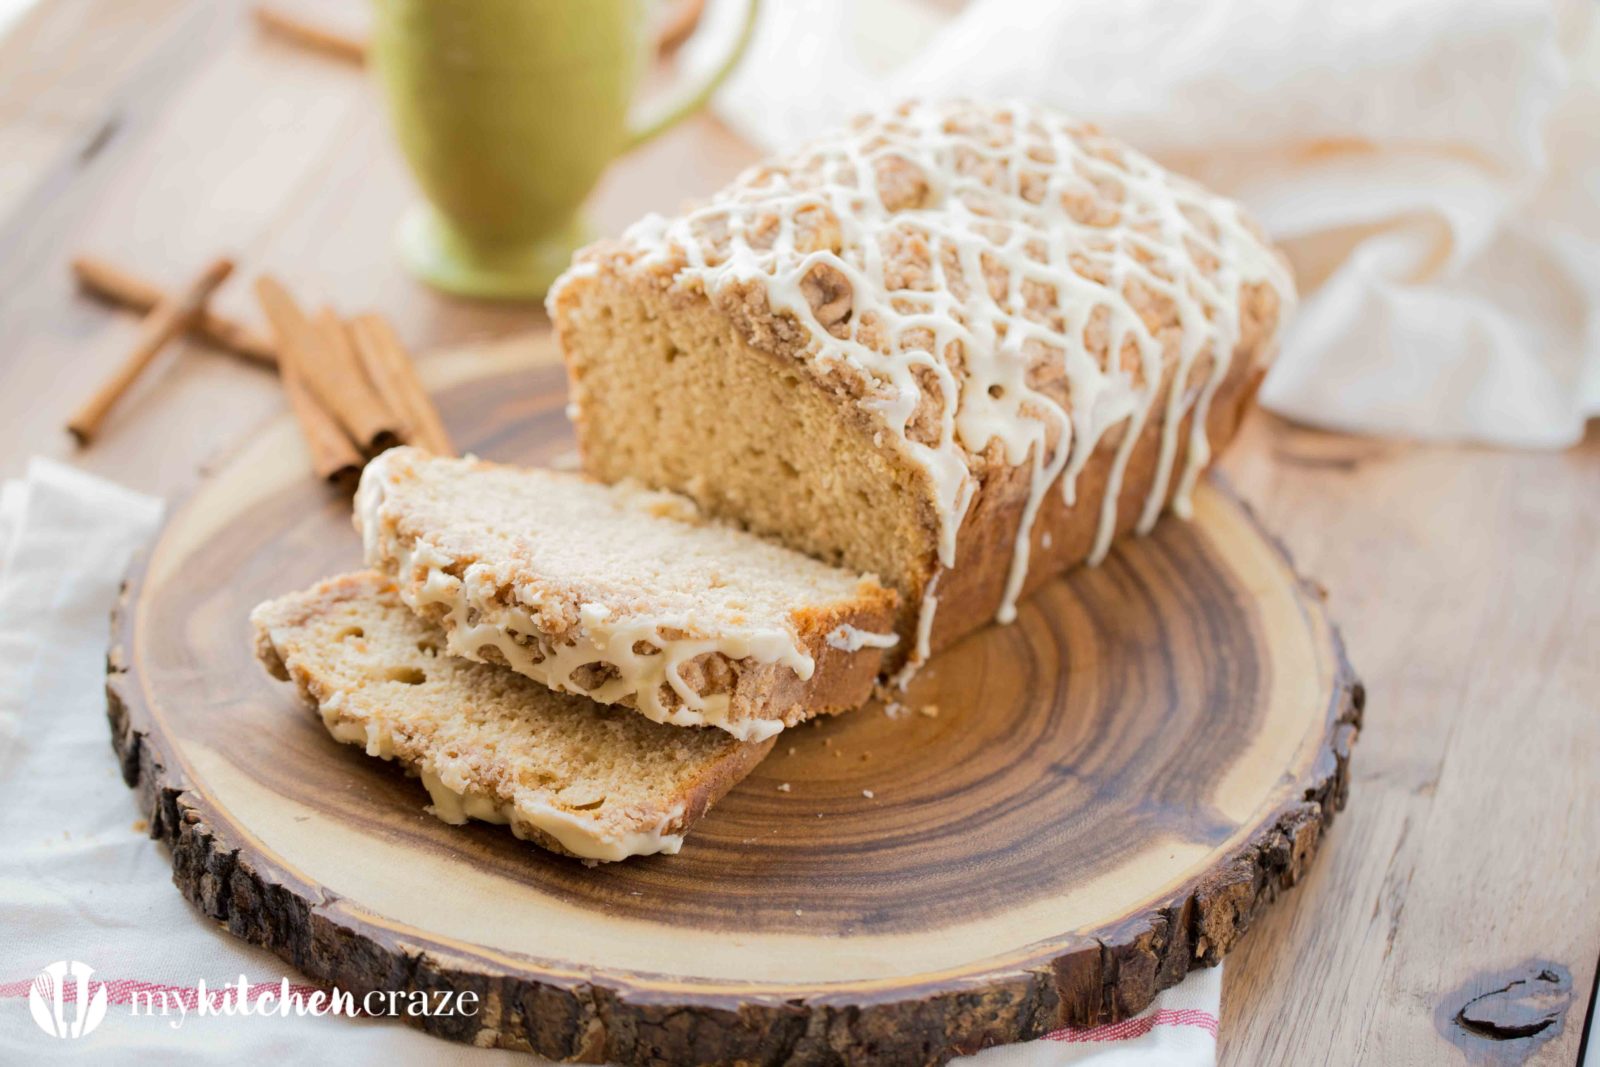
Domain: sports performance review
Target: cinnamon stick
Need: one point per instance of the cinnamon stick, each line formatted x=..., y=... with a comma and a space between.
x=113, y=283
x=312, y=35
x=171, y=316
x=334, y=456
x=336, y=343
x=395, y=376
x=330, y=371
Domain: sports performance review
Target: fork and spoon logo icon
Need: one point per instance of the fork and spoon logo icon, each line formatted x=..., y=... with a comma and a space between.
x=47, y=1000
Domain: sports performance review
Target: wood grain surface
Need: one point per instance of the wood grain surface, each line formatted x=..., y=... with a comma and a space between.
x=1064, y=816
x=162, y=132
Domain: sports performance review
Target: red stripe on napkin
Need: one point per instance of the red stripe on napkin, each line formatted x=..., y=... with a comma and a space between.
x=1129, y=1029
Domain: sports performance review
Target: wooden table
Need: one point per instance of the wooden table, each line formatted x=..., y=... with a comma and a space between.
x=159, y=132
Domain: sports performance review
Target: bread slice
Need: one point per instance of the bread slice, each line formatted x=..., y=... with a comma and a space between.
x=623, y=595
x=570, y=775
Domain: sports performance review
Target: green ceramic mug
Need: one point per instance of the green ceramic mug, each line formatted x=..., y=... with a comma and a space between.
x=508, y=111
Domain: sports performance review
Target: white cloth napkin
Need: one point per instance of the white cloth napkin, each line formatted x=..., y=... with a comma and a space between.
x=80, y=880
x=1433, y=167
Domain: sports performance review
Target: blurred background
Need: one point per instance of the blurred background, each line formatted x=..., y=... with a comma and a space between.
x=1432, y=167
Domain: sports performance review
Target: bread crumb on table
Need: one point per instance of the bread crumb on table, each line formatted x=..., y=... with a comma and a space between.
x=783, y=787
x=930, y=711
x=869, y=794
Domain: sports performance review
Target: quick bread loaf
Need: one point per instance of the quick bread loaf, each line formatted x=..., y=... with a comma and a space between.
x=960, y=346
x=854, y=406
x=576, y=777
x=625, y=595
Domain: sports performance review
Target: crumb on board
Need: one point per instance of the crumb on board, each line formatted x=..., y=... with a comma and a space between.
x=869, y=794
x=894, y=709
x=791, y=750
x=783, y=787
x=929, y=711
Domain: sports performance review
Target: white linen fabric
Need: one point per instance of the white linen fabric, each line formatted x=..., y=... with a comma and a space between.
x=1432, y=167
x=80, y=880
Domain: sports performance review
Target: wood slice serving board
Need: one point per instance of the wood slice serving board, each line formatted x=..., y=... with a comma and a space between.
x=1110, y=790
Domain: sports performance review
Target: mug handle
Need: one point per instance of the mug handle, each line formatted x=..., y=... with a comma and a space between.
x=687, y=101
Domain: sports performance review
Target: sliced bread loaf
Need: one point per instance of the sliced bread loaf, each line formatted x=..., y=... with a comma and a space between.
x=623, y=595
x=960, y=345
x=567, y=774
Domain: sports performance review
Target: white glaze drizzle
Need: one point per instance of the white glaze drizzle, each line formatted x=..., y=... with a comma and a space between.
x=1053, y=207
x=847, y=638
x=475, y=619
